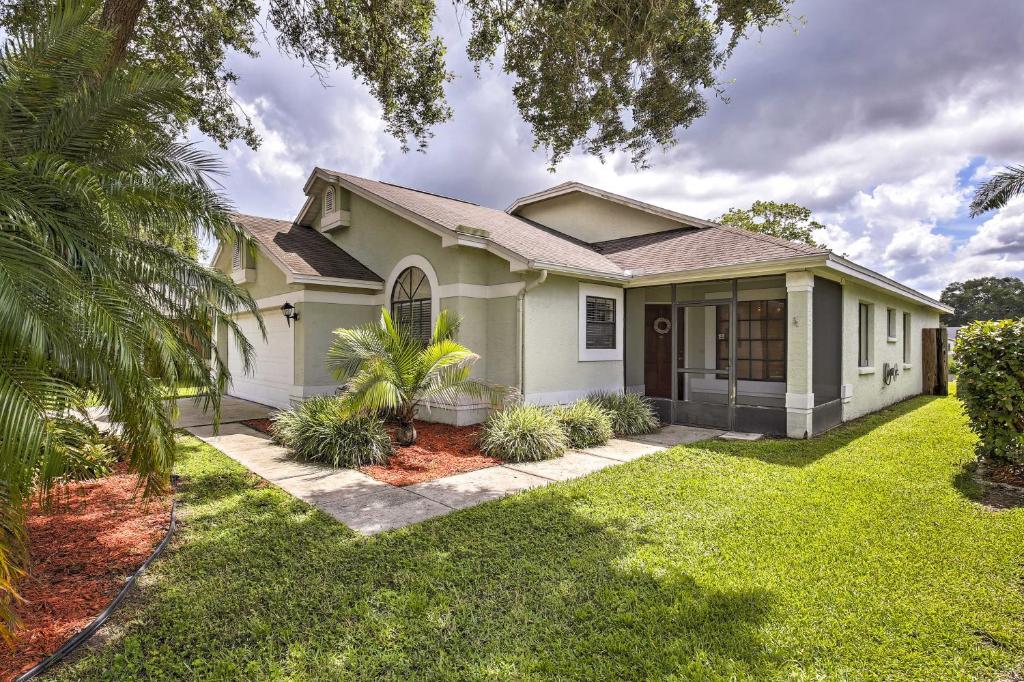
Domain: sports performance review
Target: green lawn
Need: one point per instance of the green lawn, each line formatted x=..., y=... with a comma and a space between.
x=856, y=556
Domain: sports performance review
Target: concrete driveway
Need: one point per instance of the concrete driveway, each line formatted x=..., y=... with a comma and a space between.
x=231, y=410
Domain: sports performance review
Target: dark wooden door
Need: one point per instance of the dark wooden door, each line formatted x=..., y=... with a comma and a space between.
x=658, y=351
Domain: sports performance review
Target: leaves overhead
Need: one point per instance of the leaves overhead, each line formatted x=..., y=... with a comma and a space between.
x=601, y=75
x=782, y=220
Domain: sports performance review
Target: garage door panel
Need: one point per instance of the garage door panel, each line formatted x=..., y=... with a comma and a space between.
x=273, y=367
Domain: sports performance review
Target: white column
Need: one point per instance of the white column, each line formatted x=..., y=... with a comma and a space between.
x=799, y=349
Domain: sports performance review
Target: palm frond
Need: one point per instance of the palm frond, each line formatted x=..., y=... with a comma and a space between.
x=995, y=192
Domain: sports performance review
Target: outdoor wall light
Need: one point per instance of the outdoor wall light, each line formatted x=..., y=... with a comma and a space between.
x=290, y=313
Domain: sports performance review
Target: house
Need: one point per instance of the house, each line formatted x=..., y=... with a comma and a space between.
x=573, y=290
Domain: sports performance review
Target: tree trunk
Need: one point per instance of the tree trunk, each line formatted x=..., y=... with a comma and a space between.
x=406, y=433
x=119, y=17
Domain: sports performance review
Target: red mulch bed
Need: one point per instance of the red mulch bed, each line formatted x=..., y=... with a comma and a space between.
x=95, y=535
x=440, y=450
x=999, y=471
x=261, y=425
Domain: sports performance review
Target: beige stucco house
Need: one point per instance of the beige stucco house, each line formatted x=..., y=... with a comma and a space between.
x=573, y=290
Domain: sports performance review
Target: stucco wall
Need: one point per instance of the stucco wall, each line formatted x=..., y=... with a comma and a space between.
x=869, y=392
x=593, y=219
x=554, y=372
x=314, y=333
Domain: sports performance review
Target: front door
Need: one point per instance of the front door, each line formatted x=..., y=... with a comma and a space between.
x=658, y=350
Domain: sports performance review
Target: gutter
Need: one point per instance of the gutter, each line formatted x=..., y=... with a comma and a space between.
x=521, y=327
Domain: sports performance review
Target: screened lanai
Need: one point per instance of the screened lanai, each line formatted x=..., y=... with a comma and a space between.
x=732, y=353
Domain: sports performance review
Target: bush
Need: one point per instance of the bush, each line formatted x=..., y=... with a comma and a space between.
x=584, y=424
x=632, y=414
x=523, y=433
x=322, y=430
x=83, y=452
x=990, y=384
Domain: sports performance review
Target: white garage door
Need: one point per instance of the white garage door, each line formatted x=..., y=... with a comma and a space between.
x=271, y=380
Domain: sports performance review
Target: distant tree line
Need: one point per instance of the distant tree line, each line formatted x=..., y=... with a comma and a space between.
x=984, y=298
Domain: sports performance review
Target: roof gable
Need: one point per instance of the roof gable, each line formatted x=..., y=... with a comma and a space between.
x=572, y=187
x=302, y=252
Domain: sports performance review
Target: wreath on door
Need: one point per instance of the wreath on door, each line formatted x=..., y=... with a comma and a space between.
x=663, y=325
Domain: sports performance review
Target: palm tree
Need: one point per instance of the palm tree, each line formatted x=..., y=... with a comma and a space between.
x=387, y=370
x=93, y=188
x=998, y=190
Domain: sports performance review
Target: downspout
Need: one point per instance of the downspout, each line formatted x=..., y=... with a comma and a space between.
x=521, y=330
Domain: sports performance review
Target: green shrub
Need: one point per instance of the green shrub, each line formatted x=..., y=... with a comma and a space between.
x=81, y=449
x=990, y=384
x=523, y=433
x=322, y=430
x=584, y=424
x=632, y=414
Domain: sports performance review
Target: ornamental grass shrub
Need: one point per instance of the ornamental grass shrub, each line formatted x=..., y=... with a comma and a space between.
x=631, y=413
x=322, y=430
x=584, y=424
x=523, y=433
x=990, y=384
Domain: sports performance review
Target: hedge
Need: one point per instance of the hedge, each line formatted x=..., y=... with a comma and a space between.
x=990, y=384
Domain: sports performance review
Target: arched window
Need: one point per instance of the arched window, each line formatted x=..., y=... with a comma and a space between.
x=410, y=303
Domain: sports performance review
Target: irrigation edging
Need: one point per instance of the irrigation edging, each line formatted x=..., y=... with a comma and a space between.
x=97, y=622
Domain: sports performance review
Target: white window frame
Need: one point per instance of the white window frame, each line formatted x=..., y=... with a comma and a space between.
x=600, y=354
x=891, y=329
x=418, y=261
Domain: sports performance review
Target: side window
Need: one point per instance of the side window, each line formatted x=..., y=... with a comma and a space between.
x=906, y=338
x=890, y=322
x=864, y=335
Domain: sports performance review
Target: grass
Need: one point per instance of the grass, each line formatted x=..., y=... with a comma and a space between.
x=859, y=555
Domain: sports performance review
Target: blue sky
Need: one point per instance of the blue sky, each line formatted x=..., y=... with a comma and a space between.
x=879, y=117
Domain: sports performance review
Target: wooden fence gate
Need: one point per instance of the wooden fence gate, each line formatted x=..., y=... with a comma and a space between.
x=935, y=361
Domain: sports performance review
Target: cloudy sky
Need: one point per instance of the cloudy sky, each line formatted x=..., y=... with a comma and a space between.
x=881, y=117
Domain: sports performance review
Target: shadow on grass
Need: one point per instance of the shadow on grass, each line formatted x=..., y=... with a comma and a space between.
x=801, y=453
x=992, y=495
x=525, y=587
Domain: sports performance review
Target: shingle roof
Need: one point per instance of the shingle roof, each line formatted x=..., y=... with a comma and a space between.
x=527, y=240
x=303, y=250
x=695, y=249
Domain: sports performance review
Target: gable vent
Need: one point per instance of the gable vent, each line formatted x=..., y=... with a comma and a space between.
x=329, y=200
x=236, y=256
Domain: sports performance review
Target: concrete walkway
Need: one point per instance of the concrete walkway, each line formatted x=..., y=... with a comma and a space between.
x=370, y=506
x=190, y=414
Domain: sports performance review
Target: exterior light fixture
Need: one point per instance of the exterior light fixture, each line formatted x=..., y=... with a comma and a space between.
x=290, y=313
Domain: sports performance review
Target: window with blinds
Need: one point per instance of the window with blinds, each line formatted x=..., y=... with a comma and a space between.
x=410, y=303
x=600, y=323
x=760, y=340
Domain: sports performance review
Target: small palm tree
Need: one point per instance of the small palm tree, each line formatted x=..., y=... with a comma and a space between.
x=387, y=370
x=998, y=190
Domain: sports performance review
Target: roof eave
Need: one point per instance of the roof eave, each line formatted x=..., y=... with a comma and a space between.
x=848, y=268
x=776, y=266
